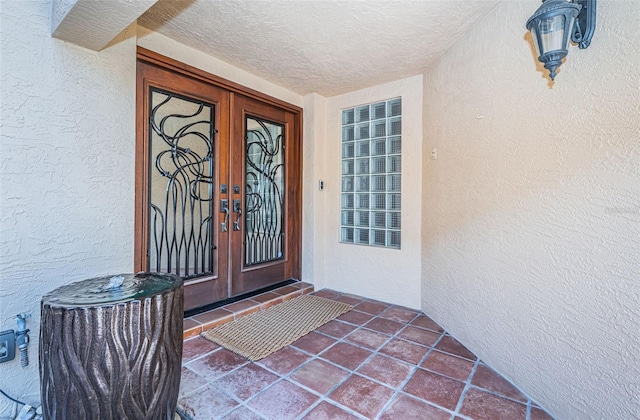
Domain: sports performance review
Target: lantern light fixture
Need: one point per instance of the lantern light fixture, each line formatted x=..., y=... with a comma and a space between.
x=557, y=21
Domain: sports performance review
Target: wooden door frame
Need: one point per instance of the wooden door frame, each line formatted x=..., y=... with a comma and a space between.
x=294, y=204
x=149, y=56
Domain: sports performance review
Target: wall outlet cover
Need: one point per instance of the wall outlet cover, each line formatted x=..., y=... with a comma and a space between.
x=7, y=346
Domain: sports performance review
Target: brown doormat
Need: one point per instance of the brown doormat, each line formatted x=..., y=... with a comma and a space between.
x=258, y=335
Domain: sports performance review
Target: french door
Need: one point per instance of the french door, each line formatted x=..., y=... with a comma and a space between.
x=265, y=250
x=218, y=185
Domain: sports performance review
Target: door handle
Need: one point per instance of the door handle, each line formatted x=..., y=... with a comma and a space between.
x=237, y=208
x=224, y=208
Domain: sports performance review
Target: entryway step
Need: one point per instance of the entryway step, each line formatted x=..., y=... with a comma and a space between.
x=194, y=325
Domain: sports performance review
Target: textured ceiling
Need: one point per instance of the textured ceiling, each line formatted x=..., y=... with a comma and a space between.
x=324, y=46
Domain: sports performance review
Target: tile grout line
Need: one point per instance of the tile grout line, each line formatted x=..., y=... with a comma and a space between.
x=413, y=369
x=324, y=398
x=467, y=385
x=212, y=382
x=184, y=364
x=400, y=389
x=219, y=390
x=497, y=394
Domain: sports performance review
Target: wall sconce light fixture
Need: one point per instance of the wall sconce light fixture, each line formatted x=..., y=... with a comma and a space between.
x=552, y=25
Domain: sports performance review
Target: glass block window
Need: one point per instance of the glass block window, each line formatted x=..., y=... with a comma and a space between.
x=371, y=167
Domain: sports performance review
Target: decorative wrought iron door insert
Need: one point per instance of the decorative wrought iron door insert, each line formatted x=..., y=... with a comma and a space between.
x=264, y=188
x=180, y=184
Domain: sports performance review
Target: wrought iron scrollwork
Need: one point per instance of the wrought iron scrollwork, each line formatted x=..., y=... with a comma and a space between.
x=181, y=184
x=264, y=201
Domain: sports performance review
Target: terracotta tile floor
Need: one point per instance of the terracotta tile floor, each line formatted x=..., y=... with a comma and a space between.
x=378, y=361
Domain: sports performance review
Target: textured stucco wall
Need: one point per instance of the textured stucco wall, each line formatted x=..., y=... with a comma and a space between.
x=531, y=213
x=380, y=273
x=313, y=220
x=66, y=170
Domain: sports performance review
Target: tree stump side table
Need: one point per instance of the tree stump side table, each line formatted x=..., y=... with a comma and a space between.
x=111, y=348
